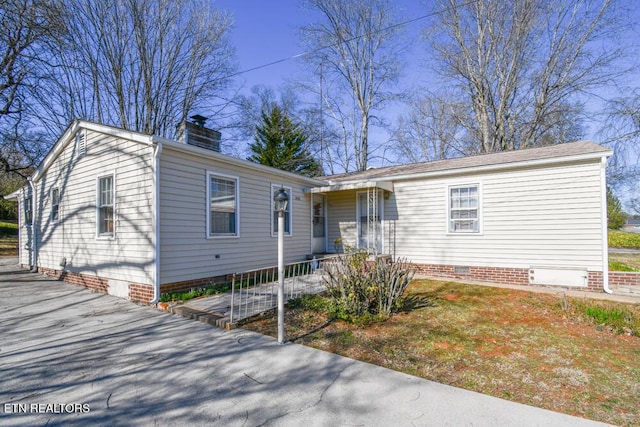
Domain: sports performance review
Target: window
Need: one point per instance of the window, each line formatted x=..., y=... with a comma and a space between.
x=55, y=204
x=464, y=209
x=223, y=206
x=27, y=205
x=274, y=214
x=106, y=204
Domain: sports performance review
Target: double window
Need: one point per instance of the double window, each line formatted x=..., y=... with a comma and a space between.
x=222, y=213
x=464, y=209
x=106, y=206
x=287, y=213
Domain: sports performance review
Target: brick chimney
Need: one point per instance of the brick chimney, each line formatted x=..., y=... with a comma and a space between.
x=194, y=133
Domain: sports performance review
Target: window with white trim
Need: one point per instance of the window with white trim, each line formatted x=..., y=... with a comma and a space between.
x=287, y=213
x=27, y=204
x=55, y=204
x=464, y=209
x=222, y=214
x=106, y=206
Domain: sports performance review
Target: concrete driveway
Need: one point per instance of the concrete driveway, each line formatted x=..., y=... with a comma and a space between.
x=69, y=356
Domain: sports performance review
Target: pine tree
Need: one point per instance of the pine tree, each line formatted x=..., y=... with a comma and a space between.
x=281, y=143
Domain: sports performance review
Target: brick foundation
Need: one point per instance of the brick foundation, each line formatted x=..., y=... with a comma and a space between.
x=138, y=292
x=512, y=276
x=520, y=276
x=92, y=282
x=141, y=293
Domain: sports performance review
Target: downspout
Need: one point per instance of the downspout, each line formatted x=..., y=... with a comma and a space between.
x=34, y=235
x=156, y=220
x=605, y=231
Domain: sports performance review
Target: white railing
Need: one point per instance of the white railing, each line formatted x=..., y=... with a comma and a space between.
x=256, y=291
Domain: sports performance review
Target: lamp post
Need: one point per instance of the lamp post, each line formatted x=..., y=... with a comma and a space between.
x=280, y=201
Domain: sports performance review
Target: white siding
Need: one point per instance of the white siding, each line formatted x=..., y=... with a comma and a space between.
x=529, y=217
x=185, y=251
x=543, y=216
x=128, y=256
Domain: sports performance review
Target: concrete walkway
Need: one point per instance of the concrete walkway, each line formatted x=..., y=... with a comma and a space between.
x=72, y=357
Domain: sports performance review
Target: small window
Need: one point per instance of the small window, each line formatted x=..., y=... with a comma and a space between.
x=55, y=204
x=27, y=204
x=106, y=204
x=464, y=209
x=274, y=214
x=223, y=206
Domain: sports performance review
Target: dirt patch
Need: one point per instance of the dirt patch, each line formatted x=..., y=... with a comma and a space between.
x=515, y=345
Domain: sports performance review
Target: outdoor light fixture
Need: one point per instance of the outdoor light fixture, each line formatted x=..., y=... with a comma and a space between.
x=280, y=201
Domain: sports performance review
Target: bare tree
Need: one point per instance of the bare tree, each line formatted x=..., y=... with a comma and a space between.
x=26, y=26
x=519, y=65
x=142, y=65
x=430, y=130
x=355, y=50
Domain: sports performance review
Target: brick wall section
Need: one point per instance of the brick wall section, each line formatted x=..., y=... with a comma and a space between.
x=513, y=276
x=520, y=276
x=621, y=278
x=92, y=282
x=141, y=293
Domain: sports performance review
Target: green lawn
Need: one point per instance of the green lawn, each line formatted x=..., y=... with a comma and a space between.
x=624, y=240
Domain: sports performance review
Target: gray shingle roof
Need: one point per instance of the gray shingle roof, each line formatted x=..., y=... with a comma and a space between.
x=505, y=157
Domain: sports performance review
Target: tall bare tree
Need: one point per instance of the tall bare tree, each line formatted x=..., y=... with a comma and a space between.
x=430, y=130
x=355, y=49
x=26, y=28
x=520, y=65
x=142, y=65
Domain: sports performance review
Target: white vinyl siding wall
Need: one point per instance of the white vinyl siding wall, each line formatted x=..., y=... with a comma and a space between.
x=185, y=251
x=545, y=216
x=129, y=255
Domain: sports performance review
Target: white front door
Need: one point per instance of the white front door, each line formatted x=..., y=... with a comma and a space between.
x=369, y=213
x=318, y=211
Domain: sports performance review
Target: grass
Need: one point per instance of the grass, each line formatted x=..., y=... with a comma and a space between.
x=574, y=356
x=8, y=238
x=624, y=240
x=194, y=293
x=624, y=262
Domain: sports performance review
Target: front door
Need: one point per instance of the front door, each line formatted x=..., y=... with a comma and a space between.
x=369, y=212
x=319, y=224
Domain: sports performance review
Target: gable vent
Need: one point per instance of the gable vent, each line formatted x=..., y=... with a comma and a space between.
x=81, y=144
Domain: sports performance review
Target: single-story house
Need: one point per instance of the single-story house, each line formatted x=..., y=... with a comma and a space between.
x=137, y=215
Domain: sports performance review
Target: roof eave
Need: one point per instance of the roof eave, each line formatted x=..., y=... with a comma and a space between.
x=485, y=168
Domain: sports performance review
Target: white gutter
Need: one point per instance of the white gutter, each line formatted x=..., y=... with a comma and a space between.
x=605, y=231
x=34, y=241
x=156, y=220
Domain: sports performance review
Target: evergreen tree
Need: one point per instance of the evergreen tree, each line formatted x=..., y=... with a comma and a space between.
x=281, y=143
x=616, y=217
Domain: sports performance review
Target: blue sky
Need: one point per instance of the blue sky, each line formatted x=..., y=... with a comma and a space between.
x=267, y=31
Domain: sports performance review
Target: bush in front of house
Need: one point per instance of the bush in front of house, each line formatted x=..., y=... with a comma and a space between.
x=362, y=289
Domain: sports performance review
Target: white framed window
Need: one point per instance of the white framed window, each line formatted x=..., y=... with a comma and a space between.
x=27, y=204
x=464, y=209
x=287, y=214
x=106, y=197
x=55, y=204
x=222, y=209
x=81, y=143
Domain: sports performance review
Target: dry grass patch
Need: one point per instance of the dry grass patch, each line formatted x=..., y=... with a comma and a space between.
x=537, y=349
x=9, y=246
